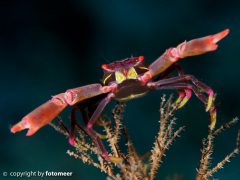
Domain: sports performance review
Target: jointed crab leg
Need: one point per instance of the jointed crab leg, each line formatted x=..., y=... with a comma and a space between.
x=191, y=48
x=104, y=100
x=182, y=86
x=82, y=106
x=165, y=74
x=49, y=110
x=194, y=80
x=182, y=99
x=93, y=118
x=187, y=86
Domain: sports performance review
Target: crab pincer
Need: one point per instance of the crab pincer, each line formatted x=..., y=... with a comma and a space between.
x=200, y=45
x=191, y=48
x=41, y=115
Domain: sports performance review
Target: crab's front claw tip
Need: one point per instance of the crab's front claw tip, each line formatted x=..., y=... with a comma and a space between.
x=41, y=115
x=20, y=126
x=217, y=37
x=24, y=124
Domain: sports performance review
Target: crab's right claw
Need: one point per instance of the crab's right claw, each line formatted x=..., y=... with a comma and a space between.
x=41, y=115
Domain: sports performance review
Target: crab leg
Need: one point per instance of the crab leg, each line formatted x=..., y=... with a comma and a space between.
x=195, y=90
x=190, y=48
x=165, y=74
x=194, y=80
x=82, y=107
x=49, y=110
x=181, y=86
x=93, y=118
x=182, y=99
x=90, y=123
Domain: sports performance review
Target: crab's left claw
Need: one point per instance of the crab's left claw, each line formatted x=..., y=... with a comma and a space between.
x=41, y=116
x=200, y=45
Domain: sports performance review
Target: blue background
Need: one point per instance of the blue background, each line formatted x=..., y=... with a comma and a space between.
x=47, y=47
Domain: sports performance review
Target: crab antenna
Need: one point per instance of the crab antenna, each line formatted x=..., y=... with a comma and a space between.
x=104, y=57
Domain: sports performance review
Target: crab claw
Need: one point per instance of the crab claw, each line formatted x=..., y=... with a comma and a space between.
x=24, y=124
x=191, y=48
x=200, y=45
x=41, y=115
x=217, y=37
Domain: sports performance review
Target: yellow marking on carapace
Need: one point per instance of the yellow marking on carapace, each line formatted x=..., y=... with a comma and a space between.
x=119, y=77
x=144, y=68
x=132, y=96
x=106, y=78
x=132, y=73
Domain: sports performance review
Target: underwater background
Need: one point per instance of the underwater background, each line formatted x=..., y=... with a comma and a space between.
x=47, y=47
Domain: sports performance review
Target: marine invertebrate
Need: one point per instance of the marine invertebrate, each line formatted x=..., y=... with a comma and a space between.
x=123, y=81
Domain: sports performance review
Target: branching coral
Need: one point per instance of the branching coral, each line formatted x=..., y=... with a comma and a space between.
x=132, y=166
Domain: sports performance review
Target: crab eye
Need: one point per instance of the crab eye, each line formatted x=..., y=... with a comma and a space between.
x=140, y=58
x=132, y=73
x=104, y=66
x=119, y=77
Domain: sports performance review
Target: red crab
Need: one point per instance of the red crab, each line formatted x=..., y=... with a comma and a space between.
x=125, y=80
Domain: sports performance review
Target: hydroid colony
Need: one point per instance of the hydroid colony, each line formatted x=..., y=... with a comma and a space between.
x=132, y=167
